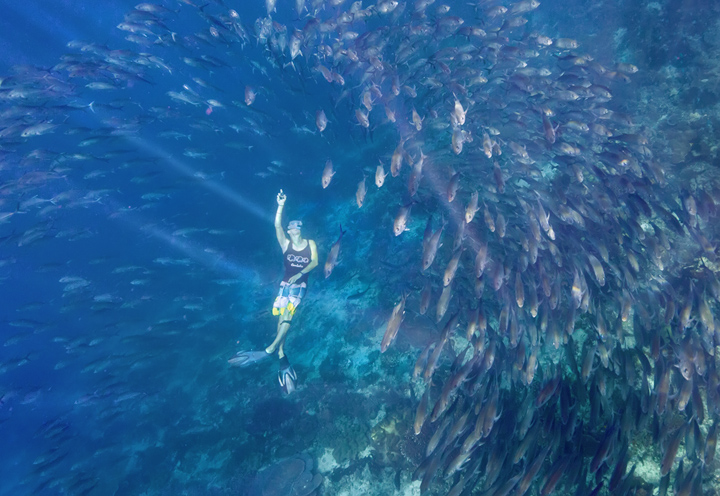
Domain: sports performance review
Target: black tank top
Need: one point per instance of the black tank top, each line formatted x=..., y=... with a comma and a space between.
x=295, y=261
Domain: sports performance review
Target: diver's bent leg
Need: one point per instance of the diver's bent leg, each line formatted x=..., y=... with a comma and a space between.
x=271, y=349
x=281, y=348
x=283, y=335
x=283, y=326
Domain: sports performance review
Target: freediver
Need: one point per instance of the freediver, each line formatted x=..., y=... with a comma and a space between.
x=300, y=257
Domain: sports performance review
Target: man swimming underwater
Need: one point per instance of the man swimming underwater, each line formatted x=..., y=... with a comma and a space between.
x=300, y=257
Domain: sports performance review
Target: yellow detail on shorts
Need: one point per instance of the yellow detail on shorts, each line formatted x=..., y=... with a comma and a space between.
x=280, y=311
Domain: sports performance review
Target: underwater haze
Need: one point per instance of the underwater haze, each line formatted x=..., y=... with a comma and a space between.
x=515, y=208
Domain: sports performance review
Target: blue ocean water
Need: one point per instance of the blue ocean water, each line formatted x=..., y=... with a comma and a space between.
x=564, y=331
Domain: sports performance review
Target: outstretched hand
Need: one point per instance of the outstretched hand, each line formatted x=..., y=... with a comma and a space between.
x=281, y=198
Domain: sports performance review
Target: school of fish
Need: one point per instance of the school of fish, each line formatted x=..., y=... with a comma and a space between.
x=570, y=274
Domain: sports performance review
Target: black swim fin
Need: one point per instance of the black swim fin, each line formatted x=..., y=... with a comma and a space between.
x=287, y=376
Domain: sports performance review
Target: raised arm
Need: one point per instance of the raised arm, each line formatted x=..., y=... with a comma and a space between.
x=279, y=231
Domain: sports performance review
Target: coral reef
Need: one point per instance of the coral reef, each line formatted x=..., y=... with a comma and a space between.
x=387, y=437
x=288, y=477
x=347, y=437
